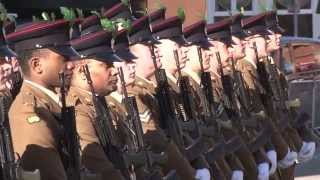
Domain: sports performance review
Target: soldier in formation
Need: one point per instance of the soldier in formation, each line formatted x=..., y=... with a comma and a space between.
x=113, y=96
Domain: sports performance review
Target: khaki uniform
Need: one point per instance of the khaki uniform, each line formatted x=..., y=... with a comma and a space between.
x=243, y=154
x=36, y=132
x=144, y=91
x=255, y=88
x=92, y=155
x=228, y=162
x=280, y=142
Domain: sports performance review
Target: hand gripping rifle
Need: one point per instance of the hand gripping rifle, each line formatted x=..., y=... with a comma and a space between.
x=135, y=126
x=9, y=166
x=72, y=162
x=106, y=132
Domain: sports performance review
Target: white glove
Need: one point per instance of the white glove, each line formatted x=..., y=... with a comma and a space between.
x=237, y=175
x=272, y=156
x=288, y=160
x=203, y=174
x=263, y=171
x=307, y=151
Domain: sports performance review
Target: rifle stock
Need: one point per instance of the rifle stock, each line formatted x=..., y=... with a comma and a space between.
x=8, y=164
x=72, y=162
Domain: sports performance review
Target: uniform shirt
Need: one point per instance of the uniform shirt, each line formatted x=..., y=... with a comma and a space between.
x=92, y=154
x=36, y=132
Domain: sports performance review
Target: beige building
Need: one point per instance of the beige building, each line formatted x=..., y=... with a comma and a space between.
x=307, y=21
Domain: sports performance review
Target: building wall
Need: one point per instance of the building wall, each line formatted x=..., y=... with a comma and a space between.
x=194, y=9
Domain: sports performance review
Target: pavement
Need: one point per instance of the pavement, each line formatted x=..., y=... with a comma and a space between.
x=309, y=170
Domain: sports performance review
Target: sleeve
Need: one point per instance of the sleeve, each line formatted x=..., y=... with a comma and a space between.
x=92, y=154
x=33, y=140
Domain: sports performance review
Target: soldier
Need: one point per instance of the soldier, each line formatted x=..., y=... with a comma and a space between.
x=144, y=90
x=195, y=34
x=6, y=62
x=220, y=37
x=95, y=48
x=273, y=44
x=256, y=28
x=43, y=52
x=237, y=53
x=157, y=141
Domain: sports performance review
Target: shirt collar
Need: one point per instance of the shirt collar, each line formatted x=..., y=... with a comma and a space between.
x=117, y=96
x=192, y=74
x=48, y=92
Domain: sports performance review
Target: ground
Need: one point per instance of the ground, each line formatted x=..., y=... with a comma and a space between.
x=309, y=170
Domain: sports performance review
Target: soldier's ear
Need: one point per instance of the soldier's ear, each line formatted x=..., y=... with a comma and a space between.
x=35, y=65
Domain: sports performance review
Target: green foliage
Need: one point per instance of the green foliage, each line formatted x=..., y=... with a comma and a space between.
x=3, y=13
x=108, y=25
x=181, y=14
x=125, y=23
x=45, y=16
x=68, y=13
x=126, y=2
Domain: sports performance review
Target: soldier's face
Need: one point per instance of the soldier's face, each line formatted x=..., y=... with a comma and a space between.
x=167, y=47
x=213, y=59
x=273, y=42
x=237, y=48
x=260, y=44
x=194, y=62
x=5, y=73
x=144, y=63
x=104, y=77
x=222, y=49
x=50, y=66
x=129, y=72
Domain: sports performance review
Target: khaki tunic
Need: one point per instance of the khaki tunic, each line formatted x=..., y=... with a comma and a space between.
x=92, y=155
x=35, y=132
x=144, y=91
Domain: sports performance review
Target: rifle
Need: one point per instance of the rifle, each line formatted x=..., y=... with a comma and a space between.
x=9, y=166
x=72, y=162
x=210, y=114
x=135, y=125
x=187, y=99
x=268, y=79
x=16, y=83
x=169, y=118
x=106, y=132
x=228, y=88
x=241, y=89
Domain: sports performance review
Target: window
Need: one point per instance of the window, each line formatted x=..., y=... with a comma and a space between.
x=220, y=9
x=285, y=4
x=245, y=4
x=223, y=5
